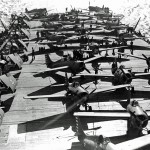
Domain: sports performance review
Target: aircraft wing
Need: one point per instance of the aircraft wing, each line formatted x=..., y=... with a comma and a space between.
x=106, y=49
x=55, y=69
x=16, y=60
x=25, y=32
x=92, y=59
x=112, y=88
x=97, y=76
x=27, y=23
x=142, y=75
x=134, y=38
x=29, y=18
x=130, y=38
x=3, y=45
x=42, y=29
x=44, y=96
x=134, y=144
x=22, y=43
x=117, y=115
x=47, y=42
x=131, y=55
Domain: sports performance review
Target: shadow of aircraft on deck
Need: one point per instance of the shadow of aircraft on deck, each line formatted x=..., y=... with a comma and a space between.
x=7, y=104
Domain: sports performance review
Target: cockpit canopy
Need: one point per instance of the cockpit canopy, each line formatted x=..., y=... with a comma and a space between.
x=75, y=84
x=134, y=103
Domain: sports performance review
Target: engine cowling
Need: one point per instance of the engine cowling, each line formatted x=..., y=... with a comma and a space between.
x=122, y=77
x=139, y=117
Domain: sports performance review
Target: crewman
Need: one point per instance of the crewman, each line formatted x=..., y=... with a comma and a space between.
x=107, y=44
x=33, y=54
x=113, y=45
x=91, y=26
x=131, y=46
x=37, y=34
x=66, y=9
x=114, y=67
x=75, y=54
x=82, y=25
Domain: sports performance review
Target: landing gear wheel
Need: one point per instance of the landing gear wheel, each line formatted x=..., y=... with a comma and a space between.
x=90, y=109
x=132, y=90
x=149, y=81
x=70, y=80
x=146, y=70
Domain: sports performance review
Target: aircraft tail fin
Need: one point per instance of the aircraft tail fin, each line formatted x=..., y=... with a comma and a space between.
x=137, y=23
x=79, y=130
x=48, y=61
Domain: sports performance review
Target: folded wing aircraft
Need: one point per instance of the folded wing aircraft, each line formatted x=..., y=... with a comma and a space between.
x=77, y=95
x=104, y=143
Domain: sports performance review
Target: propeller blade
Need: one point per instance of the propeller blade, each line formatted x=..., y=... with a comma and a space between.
x=87, y=70
x=92, y=91
x=144, y=56
x=87, y=87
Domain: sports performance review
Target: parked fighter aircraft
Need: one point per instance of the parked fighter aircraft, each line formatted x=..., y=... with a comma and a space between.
x=37, y=13
x=119, y=26
x=66, y=65
x=137, y=117
x=69, y=65
x=138, y=57
x=119, y=75
x=103, y=143
x=77, y=94
x=53, y=38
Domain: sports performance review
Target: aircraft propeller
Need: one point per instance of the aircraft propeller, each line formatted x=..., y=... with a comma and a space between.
x=147, y=60
x=87, y=70
x=128, y=76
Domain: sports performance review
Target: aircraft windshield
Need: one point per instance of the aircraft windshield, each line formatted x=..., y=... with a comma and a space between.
x=75, y=84
x=134, y=103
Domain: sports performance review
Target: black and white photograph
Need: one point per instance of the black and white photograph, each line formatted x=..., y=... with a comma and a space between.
x=74, y=74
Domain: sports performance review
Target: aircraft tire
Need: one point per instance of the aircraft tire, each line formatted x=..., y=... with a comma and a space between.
x=149, y=81
x=145, y=71
x=90, y=109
